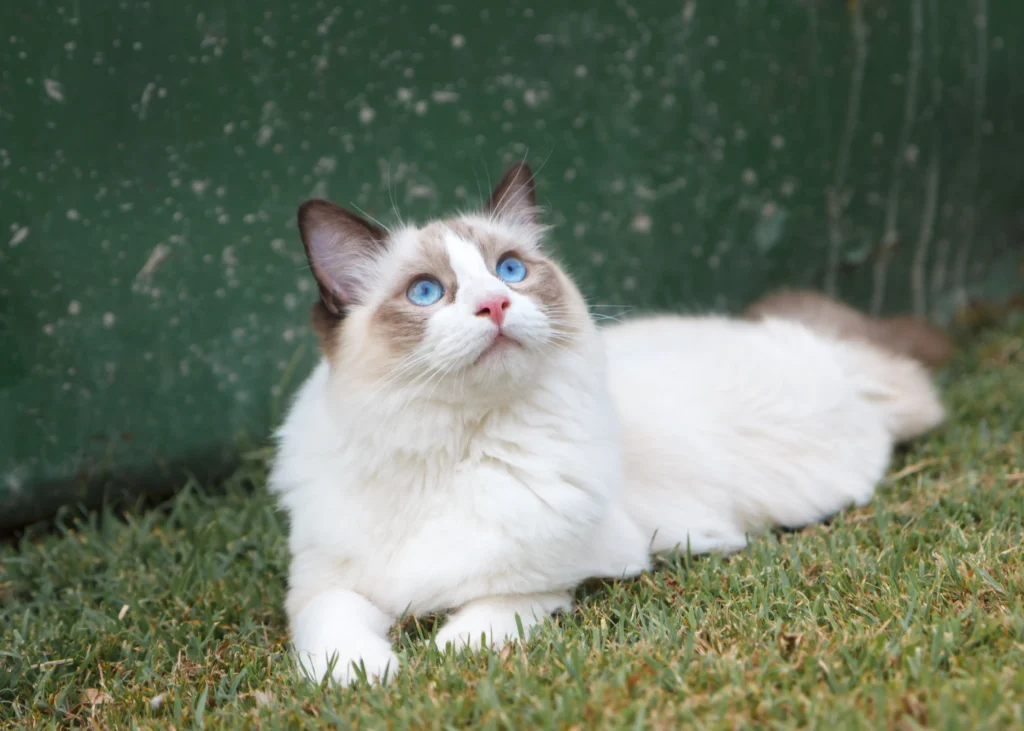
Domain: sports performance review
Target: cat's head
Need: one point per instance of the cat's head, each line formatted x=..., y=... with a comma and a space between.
x=472, y=300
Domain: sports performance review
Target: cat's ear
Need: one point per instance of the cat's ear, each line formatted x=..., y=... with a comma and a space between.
x=514, y=196
x=339, y=245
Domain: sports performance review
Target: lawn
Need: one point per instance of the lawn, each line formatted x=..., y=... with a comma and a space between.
x=904, y=614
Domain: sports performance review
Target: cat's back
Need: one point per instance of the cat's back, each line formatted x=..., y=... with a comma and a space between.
x=731, y=367
x=730, y=425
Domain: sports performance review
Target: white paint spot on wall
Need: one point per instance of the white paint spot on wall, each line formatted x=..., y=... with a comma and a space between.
x=641, y=223
x=458, y=40
x=264, y=135
x=73, y=214
x=444, y=96
x=366, y=114
x=420, y=191
x=75, y=307
x=54, y=89
x=749, y=176
x=160, y=252
x=770, y=228
x=640, y=190
x=14, y=480
x=147, y=94
x=325, y=166
x=109, y=319
x=319, y=189
x=20, y=235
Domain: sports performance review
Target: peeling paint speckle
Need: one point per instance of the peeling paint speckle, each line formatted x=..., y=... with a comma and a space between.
x=54, y=89
x=20, y=234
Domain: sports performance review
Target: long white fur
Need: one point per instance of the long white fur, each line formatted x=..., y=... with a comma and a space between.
x=492, y=491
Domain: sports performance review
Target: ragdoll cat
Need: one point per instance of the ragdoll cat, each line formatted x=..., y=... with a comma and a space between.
x=471, y=443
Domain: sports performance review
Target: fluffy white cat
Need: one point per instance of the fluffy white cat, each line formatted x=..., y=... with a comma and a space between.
x=471, y=443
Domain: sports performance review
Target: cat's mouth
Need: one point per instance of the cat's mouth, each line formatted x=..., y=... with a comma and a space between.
x=499, y=344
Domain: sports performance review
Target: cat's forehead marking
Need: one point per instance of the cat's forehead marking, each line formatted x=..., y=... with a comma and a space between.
x=490, y=240
x=465, y=257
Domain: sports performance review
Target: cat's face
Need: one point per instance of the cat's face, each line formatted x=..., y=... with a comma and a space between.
x=472, y=300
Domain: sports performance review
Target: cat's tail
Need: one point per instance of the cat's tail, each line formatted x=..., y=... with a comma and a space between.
x=900, y=387
x=888, y=358
x=914, y=337
x=909, y=336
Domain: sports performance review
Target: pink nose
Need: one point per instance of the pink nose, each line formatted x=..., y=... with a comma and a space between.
x=494, y=308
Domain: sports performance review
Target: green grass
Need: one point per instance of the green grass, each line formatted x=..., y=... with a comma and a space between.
x=903, y=614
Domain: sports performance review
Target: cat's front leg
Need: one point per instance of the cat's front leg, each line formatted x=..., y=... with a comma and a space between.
x=339, y=630
x=494, y=618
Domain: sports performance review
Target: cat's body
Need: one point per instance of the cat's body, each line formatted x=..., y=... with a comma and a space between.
x=731, y=427
x=487, y=451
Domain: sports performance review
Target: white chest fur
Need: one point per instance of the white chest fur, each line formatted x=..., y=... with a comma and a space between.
x=423, y=507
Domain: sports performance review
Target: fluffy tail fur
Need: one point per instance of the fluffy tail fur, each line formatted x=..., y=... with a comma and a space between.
x=900, y=386
x=912, y=337
x=888, y=358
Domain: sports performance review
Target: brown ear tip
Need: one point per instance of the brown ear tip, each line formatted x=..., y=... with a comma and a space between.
x=523, y=173
x=311, y=206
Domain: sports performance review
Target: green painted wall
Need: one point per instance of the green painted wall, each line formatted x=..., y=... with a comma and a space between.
x=152, y=293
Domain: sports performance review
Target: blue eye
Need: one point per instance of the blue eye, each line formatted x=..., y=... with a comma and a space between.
x=511, y=269
x=424, y=292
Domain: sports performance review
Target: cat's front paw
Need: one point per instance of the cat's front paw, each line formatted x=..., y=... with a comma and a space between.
x=380, y=664
x=458, y=636
x=494, y=622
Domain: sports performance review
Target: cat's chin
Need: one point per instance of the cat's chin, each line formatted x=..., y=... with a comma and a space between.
x=505, y=361
x=498, y=348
